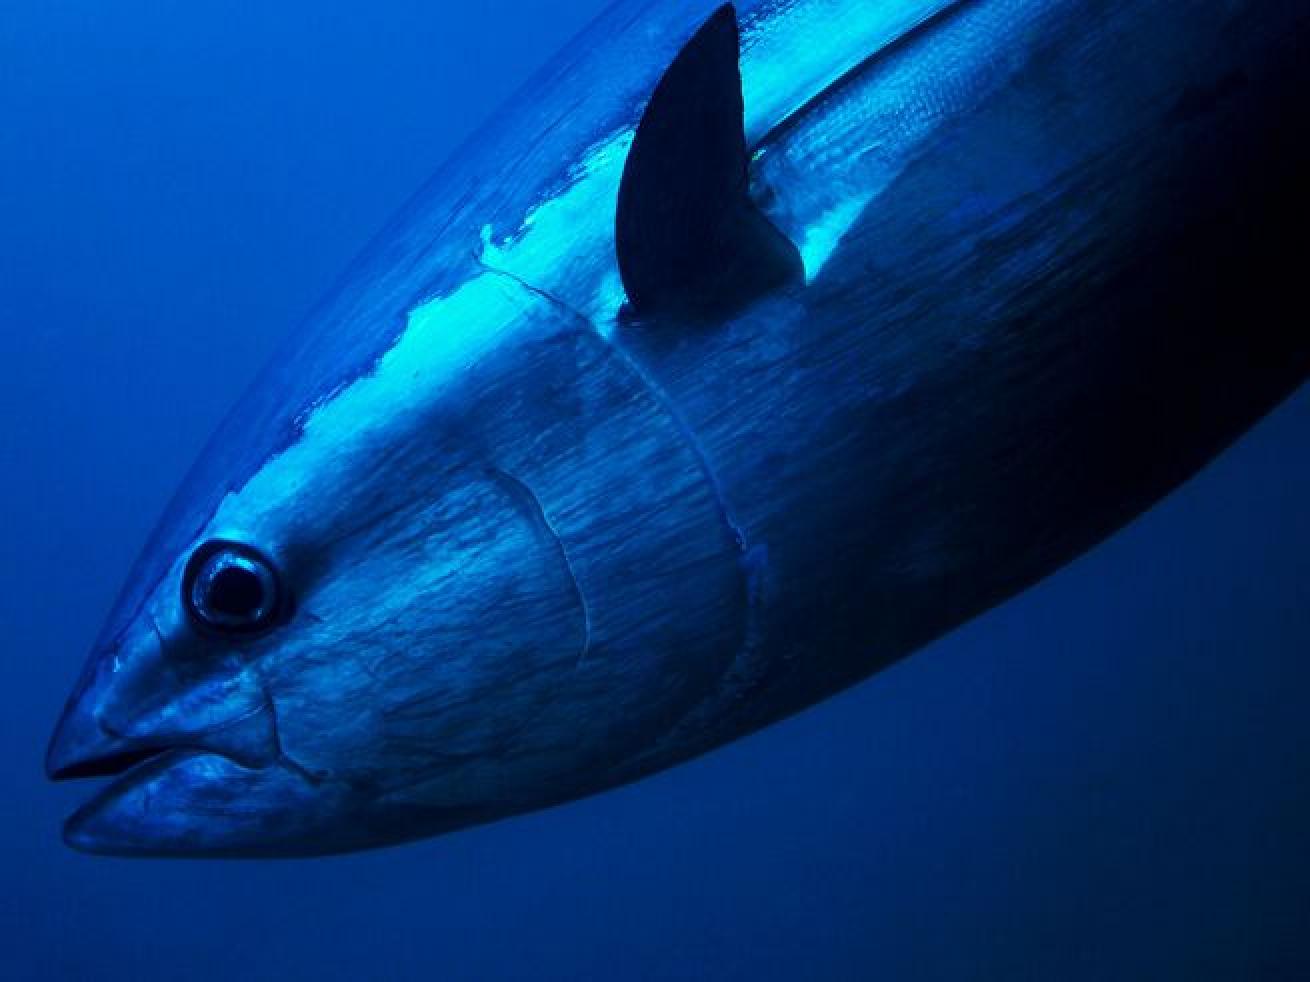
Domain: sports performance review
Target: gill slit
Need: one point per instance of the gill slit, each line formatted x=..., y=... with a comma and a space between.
x=532, y=504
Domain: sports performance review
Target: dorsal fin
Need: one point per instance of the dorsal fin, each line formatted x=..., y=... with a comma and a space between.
x=688, y=236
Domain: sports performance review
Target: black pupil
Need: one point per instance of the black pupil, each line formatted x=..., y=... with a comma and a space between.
x=236, y=592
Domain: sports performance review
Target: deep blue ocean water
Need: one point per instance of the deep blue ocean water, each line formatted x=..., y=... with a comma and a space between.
x=1104, y=779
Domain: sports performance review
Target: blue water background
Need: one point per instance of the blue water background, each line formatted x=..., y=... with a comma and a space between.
x=1104, y=779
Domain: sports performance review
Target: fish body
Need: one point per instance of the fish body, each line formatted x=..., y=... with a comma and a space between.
x=532, y=506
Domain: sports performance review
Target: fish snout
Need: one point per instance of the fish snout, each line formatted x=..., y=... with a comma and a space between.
x=195, y=764
x=85, y=746
x=132, y=705
x=82, y=747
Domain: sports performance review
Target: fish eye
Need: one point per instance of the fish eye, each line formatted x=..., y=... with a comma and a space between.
x=231, y=588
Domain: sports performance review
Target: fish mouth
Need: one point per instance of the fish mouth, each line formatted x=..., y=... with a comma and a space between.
x=224, y=790
x=126, y=770
x=183, y=802
x=85, y=745
x=129, y=770
x=106, y=765
x=118, y=817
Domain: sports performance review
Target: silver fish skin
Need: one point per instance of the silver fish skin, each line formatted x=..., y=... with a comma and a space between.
x=482, y=540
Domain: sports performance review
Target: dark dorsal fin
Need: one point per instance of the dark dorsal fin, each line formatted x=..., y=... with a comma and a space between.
x=689, y=238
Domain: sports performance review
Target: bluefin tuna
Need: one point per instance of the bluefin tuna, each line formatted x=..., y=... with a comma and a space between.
x=749, y=350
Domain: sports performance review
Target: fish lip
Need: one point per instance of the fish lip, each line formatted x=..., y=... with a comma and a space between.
x=86, y=747
x=111, y=764
x=75, y=827
x=193, y=803
x=84, y=830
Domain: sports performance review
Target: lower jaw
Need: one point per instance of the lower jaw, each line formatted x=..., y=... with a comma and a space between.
x=197, y=803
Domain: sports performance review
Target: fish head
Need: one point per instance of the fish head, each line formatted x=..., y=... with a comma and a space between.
x=374, y=633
